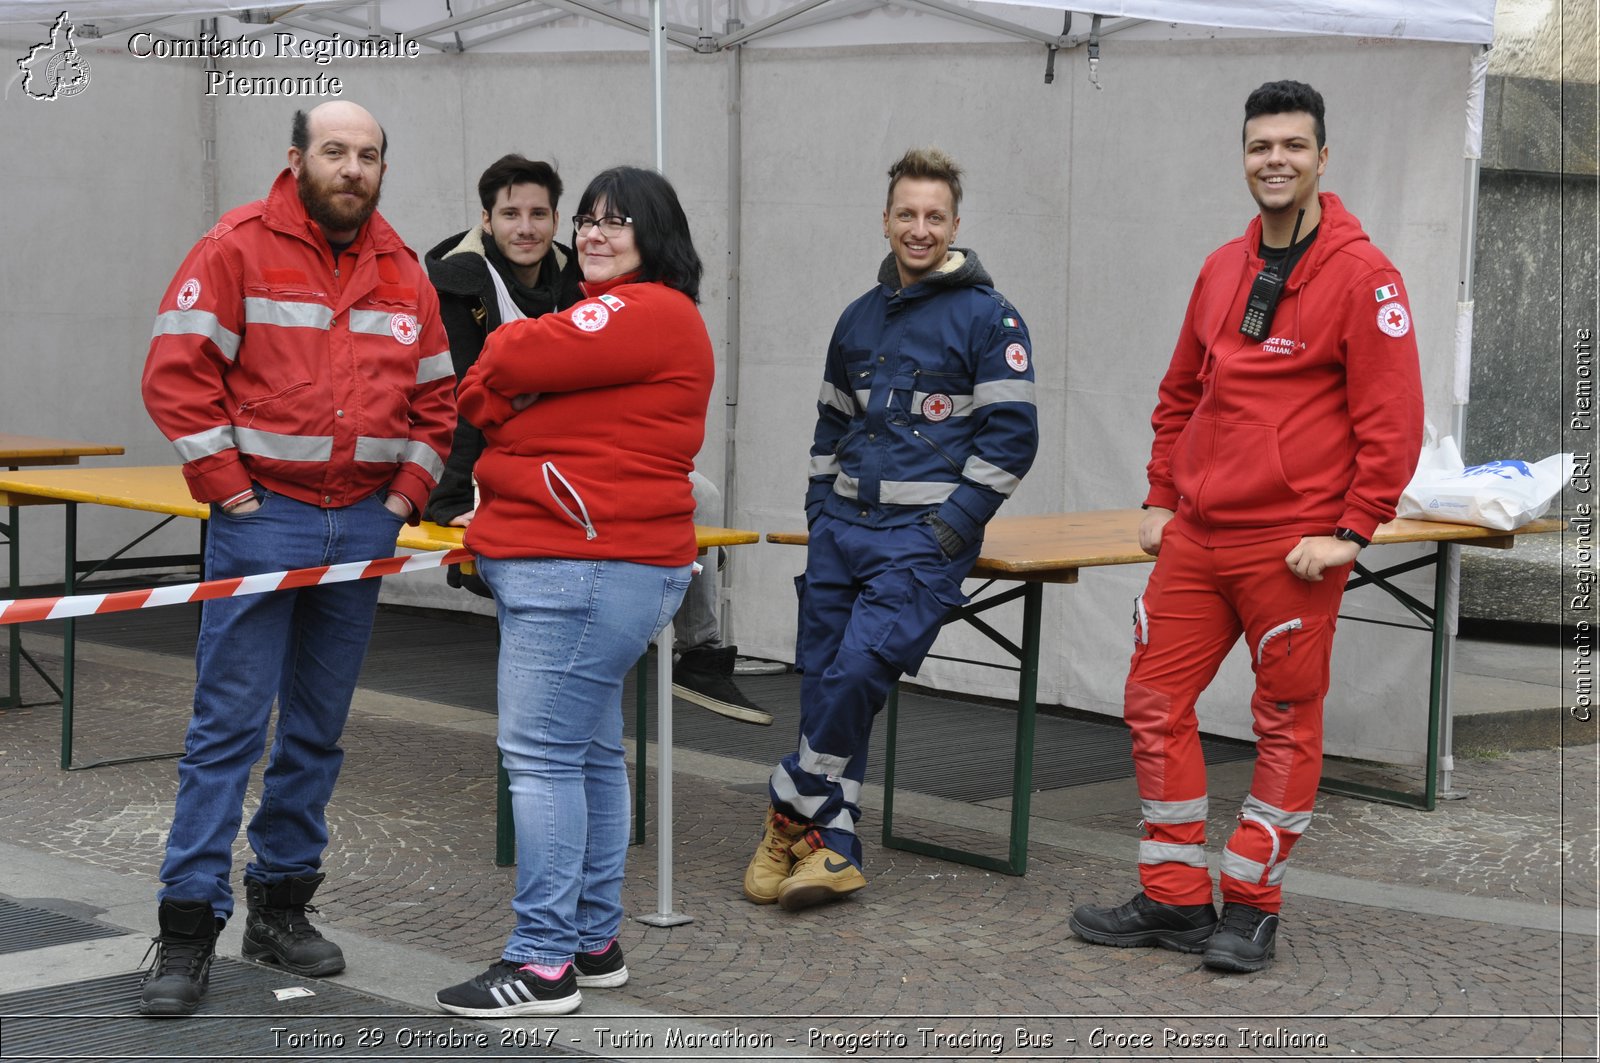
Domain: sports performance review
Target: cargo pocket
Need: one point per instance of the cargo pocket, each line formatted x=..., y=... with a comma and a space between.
x=800, y=662
x=1291, y=660
x=916, y=602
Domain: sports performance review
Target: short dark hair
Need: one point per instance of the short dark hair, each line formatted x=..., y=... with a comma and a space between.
x=660, y=228
x=300, y=135
x=1283, y=97
x=514, y=169
x=929, y=164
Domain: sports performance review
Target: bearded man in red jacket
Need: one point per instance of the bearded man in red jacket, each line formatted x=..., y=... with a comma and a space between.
x=299, y=368
x=1287, y=425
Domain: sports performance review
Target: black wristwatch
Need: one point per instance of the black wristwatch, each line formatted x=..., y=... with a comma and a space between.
x=1351, y=537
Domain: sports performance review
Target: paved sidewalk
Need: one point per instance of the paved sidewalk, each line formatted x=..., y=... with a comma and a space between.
x=1467, y=933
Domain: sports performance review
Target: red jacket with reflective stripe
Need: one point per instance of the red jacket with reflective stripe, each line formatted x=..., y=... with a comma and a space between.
x=321, y=383
x=1316, y=427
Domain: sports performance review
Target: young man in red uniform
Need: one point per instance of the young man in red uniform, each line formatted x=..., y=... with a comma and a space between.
x=1285, y=431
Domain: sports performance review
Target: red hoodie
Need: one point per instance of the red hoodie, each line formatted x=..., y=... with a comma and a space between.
x=598, y=466
x=1316, y=427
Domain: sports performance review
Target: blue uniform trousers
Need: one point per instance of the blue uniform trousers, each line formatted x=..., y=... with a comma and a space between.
x=872, y=601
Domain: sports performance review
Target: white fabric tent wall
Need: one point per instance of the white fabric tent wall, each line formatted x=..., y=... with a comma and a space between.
x=1093, y=210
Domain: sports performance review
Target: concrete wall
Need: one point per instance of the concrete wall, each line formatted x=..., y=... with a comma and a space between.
x=1092, y=210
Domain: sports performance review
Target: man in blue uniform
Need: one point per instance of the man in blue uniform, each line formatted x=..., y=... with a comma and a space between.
x=926, y=423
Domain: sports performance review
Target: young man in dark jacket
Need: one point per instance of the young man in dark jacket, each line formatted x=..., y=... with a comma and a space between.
x=508, y=267
x=1283, y=437
x=926, y=424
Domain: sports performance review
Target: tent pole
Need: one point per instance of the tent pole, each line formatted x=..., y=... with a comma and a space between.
x=1450, y=569
x=730, y=384
x=658, y=77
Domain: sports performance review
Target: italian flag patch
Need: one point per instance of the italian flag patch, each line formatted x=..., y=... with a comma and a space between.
x=1010, y=322
x=1388, y=291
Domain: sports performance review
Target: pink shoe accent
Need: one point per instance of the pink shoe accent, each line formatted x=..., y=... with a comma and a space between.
x=549, y=974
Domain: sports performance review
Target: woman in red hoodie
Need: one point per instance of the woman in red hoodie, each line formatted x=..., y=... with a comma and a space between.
x=585, y=533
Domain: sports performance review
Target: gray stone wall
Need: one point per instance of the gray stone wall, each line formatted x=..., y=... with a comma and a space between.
x=1535, y=290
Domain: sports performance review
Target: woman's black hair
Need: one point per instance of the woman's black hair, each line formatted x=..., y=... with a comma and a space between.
x=660, y=228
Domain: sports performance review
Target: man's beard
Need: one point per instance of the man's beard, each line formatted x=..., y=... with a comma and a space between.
x=332, y=214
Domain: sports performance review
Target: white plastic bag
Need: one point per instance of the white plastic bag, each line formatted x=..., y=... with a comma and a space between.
x=1499, y=494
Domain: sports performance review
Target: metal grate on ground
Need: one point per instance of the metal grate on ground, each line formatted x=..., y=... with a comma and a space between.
x=948, y=748
x=242, y=1017
x=23, y=928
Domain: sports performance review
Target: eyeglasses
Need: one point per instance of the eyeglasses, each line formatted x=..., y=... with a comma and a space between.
x=610, y=224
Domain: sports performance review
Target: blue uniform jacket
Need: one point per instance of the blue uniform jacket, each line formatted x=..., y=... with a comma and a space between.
x=927, y=404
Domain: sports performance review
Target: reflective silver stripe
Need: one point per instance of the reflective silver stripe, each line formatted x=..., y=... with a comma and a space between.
x=1168, y=853
x=1294, y=822
x=839, y=400
x=285, y=314
x=824, y=465
x=783, y=789
x=423, y=456
x=379, y=450
x=371, y=322
x=846, y=486
x=1003, y=391
x=913, y=492
x=1282, y=629
x=820, y=763
x=863, y=397
x=261, y=444
x=1191, y=811
x=1245, y=870
x=435, y=367
x=960, y=405
x=852, y=797
x=204, y=444
x=990, y=475
x=198, y=323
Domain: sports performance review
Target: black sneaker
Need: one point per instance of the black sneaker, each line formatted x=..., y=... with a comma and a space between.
x=705, y=677
x=1244, y=941
x=508, y=988
x=176, y=981
x=601, y=970
x=1143, y=922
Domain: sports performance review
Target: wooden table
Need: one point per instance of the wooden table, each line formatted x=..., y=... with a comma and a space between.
x=16, y=452
x=1053, y=548
x=162, y=490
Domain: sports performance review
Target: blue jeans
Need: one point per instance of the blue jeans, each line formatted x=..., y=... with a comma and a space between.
x=569, y=632
x=301, y=647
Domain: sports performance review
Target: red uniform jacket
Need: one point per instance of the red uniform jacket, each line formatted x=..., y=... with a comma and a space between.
x=1316, y=427
x=322, y=385
x=598, y=466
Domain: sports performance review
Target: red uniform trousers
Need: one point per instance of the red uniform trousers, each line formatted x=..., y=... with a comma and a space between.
x=1197, y=603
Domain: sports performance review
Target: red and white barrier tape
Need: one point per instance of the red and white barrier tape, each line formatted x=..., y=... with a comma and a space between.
x=23, y=610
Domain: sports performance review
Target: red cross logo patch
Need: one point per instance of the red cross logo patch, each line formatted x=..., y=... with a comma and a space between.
x=189, y=293
x=404, y=327
x=1017, y=357
x=937, y=407
x=1393, y=320
x=591, y=317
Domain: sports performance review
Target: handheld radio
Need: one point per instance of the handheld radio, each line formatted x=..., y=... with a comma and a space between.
x=1265, y=291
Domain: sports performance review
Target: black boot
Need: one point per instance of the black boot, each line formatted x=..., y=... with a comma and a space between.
x=177, y=979
x=1142, y=922
x=277, y=931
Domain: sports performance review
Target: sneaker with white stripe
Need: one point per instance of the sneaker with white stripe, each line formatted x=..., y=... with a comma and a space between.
x=508, y=988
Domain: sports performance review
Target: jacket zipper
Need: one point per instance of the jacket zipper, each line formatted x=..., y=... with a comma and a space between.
x=581, y=518
x=250, y=404
x=937, y=450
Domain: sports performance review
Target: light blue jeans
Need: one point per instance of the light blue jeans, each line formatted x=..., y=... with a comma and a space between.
x=569, y=632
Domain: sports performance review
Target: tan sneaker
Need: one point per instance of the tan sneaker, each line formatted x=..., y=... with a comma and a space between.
x=821, y=876
x=773, y=861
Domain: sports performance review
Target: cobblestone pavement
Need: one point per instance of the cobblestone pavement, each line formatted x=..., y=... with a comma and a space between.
x=930, y=943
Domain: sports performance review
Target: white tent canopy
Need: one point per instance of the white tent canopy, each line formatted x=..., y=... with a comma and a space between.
x=1091, y=203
